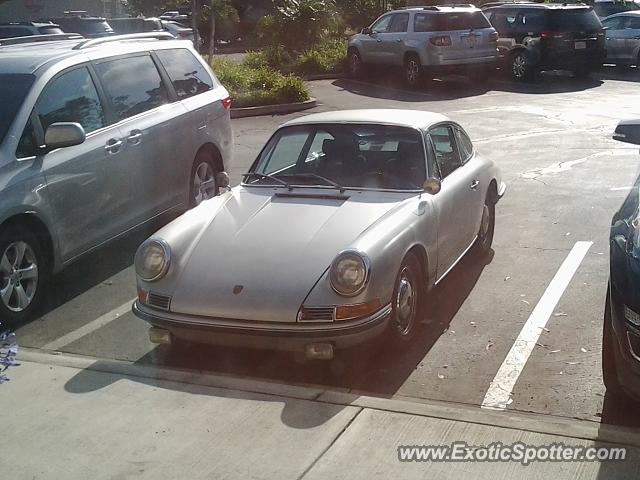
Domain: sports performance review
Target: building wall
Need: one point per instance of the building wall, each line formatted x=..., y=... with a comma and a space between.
x=26, y=10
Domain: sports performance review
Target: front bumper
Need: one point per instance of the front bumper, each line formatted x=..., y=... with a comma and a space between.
x=627, y=361
x=275, y=336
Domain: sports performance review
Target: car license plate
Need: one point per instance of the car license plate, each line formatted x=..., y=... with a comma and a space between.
x=470, y=40
x=580, y=45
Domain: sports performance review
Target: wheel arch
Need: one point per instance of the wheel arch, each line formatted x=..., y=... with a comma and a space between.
x=35, y=224
x=419, y=251
x=214, y=153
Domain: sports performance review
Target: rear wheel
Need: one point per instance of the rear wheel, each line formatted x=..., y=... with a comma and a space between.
x=203, y=179
x=520, y=68
x=412, y=71
x=406, y=301
x=609, y=368
x=24, y=274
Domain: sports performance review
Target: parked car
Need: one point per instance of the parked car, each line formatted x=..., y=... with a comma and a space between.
x=178, y=30
x=622, y=32
x=26, y=29
x=85, y=25
x=89, y=151
x=621, y=333
x=605, y=8
x=123, y=26
x=436, y=40
x=170, y=14
x=536, y=37
x=342, y=224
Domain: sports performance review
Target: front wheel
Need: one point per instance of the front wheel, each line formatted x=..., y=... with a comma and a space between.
x=412, y=71
x=484, y=239
x=406, y=301
x=354, y=64
x=23, y=275
x=203, y=180
x=609, y=369
x=520, y=68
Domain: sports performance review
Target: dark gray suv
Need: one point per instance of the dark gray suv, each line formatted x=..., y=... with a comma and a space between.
x=98, y=137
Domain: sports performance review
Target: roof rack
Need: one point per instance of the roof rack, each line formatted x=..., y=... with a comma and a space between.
x=130, y=36
x=40, y=38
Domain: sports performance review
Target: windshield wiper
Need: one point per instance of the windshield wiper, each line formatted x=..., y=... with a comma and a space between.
x=315, y=175
x=270, y=177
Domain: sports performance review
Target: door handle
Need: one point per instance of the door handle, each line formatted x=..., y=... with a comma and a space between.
x=398, y=40
x=379, y=40
x=474, y=184
x=134, y=137
x=113, y=146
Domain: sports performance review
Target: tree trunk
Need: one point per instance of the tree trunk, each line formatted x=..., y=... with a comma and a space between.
x=212, y=37
x=195, y=17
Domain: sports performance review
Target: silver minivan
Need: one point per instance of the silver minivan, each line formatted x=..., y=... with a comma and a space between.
x=98, y=137
x=427, y=40
x=622, y=36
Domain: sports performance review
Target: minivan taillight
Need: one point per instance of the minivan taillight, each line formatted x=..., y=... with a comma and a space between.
x=226, y=103
x=493, y=37
x=550, y=35
x=441, y=41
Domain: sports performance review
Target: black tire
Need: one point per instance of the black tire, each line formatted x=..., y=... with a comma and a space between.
x=609, y=368
x=520, y=67
x=582, y=72
x=17, y=308
x=412, y=71
x=484, y=239
x=355, y=67
x=197, y=193
x=406, y=302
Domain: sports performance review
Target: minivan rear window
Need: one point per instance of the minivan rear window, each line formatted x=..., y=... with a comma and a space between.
x=13, y=89
x=187, y=74
x=442, y=22
x=577, y=19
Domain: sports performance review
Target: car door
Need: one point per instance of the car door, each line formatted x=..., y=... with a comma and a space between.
x=371, y=50
x=80, y=187
x=393, y=42
x=452, y=202
x=614, y=37
x=631, y=48
x=142, y=107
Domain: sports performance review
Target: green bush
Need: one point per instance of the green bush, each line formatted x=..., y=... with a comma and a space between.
x=250, y=87
x=327, y=57
x=276, y=57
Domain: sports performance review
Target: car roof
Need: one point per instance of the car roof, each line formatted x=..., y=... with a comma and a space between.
x=405, y=118
x=634, y=13
x=29, y=57
x=546, y=6
x=439, y=8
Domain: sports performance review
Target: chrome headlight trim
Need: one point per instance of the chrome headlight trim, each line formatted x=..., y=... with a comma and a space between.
x=366, y=263
x=142, y=250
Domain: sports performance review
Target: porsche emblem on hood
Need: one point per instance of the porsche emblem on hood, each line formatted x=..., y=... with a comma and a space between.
x=237, y=289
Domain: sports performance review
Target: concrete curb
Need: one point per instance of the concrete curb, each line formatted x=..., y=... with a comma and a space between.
x=273, y=109
x=544, y=424
x=323, y=76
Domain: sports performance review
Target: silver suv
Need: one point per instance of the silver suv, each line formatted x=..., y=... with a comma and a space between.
x=98, y=137
x=433, y=40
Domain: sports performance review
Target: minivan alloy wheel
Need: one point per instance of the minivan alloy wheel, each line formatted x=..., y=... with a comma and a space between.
x=412, y=71
x=18, y=276
x=204, y=183
x=519, y=66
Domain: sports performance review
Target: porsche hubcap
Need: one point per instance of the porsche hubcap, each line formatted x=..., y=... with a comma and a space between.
x=413, y=70
x=18, y=276
x=484, y=225
x=405, y=302
x=204, y=183
x=519, y=66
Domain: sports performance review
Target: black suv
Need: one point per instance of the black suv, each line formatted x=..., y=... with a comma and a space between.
x=535, y=37
x=85, y=25
x=27, y=29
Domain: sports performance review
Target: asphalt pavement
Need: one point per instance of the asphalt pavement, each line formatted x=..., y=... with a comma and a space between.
x=565, y=178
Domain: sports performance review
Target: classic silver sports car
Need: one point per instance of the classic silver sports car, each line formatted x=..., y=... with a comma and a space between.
x=342, y=224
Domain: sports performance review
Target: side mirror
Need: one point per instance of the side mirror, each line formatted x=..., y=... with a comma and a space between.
x=628, y=131
x=63, y=134
x=367, y=31
x=432, y=186
x=222, y=179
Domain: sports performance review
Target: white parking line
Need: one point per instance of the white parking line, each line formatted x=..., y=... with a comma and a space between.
x=499, y=393
x=90, y=327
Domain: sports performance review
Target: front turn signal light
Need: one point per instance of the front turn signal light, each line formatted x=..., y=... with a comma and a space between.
x=357, y=310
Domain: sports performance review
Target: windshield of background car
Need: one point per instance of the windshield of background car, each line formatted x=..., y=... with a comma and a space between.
x=13, y=89
x=578, y=19
x=352, y=155
x=604, y=9
x=442, y=22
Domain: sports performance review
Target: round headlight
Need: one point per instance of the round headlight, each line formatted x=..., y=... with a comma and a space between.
x=152, y=260
x=349, y=272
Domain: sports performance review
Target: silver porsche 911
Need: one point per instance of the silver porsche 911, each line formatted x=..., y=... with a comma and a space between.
x=342, y=224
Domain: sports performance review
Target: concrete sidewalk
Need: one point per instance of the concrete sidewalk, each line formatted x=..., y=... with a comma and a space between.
x=78, y=418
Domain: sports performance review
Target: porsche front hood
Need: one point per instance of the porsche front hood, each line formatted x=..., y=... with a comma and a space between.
x=262, y=253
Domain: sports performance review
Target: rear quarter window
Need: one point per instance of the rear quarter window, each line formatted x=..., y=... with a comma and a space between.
x=187, y=74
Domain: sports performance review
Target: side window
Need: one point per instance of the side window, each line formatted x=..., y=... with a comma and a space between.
x=11, y=32
x=382, y=24
x=464, y=144
x=532, y=21
x=28, y=145
x=399, y=23
x=187, y=74
x=434, y=168
x=444, y=144
x=132, y=84
x=634, y=23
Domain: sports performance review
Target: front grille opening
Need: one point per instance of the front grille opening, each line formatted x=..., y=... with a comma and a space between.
x=159, y=301
x=317, y=314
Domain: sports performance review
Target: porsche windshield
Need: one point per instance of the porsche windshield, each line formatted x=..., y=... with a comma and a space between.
x=348, y=155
